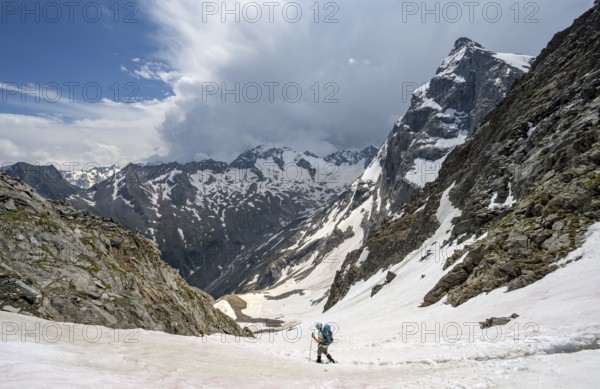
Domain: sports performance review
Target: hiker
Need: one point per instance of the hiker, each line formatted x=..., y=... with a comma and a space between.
x=325, y=338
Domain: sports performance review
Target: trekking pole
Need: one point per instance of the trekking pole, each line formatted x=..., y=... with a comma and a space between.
x=312, y=335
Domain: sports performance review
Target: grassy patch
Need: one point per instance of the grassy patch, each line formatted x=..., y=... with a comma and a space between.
x=593, y=183
x=93, y=266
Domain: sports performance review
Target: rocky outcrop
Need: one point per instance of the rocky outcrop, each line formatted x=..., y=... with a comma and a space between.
x=526, y=182
x=389, y=278
x=545, y=153
x=62, y=264
x=497, y=321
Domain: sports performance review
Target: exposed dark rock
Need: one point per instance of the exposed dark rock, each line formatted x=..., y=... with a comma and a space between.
x=497, y=321
x=388, y=278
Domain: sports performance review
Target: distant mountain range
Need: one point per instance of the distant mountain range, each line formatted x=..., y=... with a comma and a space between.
x=206, y=214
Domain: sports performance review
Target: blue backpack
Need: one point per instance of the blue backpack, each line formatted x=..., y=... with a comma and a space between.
x=327, y=335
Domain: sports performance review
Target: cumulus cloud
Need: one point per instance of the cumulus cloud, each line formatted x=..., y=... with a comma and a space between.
x=386, y=46
x=236, y=85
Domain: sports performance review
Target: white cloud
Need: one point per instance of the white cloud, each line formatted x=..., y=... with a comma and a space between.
x=105, y=133
x=389, y=51
x=9, y=149
x=191, y=53
x=155, y=71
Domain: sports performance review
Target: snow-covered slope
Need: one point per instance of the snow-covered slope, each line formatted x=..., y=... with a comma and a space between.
x=494, y=260
x=90, y=175
x=381, y=342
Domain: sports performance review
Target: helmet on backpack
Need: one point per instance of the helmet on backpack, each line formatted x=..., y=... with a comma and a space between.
x=318, y=326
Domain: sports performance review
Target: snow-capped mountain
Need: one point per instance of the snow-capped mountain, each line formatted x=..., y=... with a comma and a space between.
x=443, y=113
x=205, y=214
x=470, y=82
x=512, y=204
x=486, y=278
x=495, y=259
x=89, y=176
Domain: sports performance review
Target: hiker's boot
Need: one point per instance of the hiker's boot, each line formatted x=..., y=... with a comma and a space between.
x=319, y=359
x=330, y=358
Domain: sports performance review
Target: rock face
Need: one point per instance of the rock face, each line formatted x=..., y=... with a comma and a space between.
x=62, y=264
x=497, y=321
x=444, y=112
x=389, y=278
x=526, y=183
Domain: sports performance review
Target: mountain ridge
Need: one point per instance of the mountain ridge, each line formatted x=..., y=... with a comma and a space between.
x=62, y=264
x=204, y=214
x=523, y=188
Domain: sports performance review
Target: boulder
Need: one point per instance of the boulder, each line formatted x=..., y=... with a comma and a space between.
x=28, y=293
x=497, y=321
x=11, y=309
x=390, y=277
x=557, y=243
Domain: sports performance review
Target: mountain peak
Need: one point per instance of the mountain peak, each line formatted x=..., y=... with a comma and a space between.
x=467, y=55
x=352, y=157
x=466, y=42
x=266, y=149
x=25, y=168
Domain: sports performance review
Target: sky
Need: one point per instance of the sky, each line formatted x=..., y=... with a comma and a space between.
x=112, y=82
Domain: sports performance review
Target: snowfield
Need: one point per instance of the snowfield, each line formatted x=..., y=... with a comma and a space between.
x=383, y=341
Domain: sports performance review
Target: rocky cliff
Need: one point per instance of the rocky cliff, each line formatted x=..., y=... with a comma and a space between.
x=66, y=265
x=444, y=112
x=524, y=188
